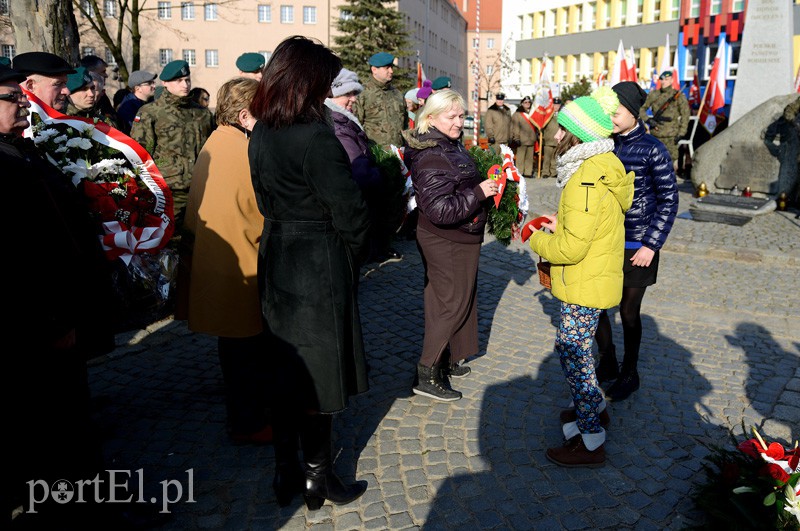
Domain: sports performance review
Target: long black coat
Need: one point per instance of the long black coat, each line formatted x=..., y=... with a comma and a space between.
x=315, y=235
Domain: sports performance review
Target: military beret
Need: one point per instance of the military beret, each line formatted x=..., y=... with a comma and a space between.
x=79, y=79
x=381, y=59
x=174, y=70
x=5, y=61
x=665, y=73
x=250, y=62
x=441, y=82
x=46, y=64
x=9, y=74
x=500, y=96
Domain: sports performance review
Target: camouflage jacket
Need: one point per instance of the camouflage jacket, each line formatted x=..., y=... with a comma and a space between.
x=173, y=130
x=93, y=114
x=381, y=109
x=498, y=124
x=677, y=112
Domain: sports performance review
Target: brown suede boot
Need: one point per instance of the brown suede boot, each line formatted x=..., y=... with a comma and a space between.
x=569, y=415
x=574, y=454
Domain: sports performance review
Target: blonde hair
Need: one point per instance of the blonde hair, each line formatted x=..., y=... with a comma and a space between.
x=232, y=97
x=438, y=103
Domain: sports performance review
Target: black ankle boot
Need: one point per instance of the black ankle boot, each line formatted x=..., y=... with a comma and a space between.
x=607, y=367
x=431, y=383
x=627, y=383
x=289, y=477
x=322, y=483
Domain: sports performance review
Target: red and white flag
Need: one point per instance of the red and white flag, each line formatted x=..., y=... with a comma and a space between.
x=797, y=80
x=420, y=75
x=620, y=70
x=630, y=64
x=694, y=90
x=715, y=91
x=667, y=67
x=543, y=100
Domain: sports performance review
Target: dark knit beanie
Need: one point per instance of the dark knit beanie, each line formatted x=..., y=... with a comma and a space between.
x=631, y=96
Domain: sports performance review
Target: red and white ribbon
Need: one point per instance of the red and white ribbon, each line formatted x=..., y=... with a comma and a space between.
x=399, y=152
x=120, y=240
x=512, y=173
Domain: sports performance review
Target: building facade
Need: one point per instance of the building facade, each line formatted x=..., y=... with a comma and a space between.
x=581, y=37
x=489, y=57
x=211, y=35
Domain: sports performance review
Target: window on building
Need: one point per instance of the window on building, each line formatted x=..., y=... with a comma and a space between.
x=694, y=8
x=210, y=11
x=476, y=43
x=87, y=50
x=716, y=7
x=164, y=56
x=675, y=10
x=287, y=14
x=490, y=43
x=110, y=8
x=309, y=15
x=265, y=13
x=607, y=13
x=639, y=11
x=212, y=58
x=267, y=56
x=489, y=70
x=738, y=5
x=4, y=9
x=190, y=56
x=165, y=10
x=187, y=11
x=88, y=8
x=733, y=58
x=623, y=15
x=110, y=59
x=8, y=50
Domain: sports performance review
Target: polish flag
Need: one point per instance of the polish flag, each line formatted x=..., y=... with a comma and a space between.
x=797, y=80
x=620, y=70
x=543, y=100
x=666, y=66
x=630, y=63
x=694, y=90
x=420, y=75
x=715, y=91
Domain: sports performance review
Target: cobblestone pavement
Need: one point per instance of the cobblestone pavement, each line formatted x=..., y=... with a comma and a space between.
x=721, y=346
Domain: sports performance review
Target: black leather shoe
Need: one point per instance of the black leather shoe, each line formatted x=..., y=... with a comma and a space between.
x=607, y=368
x=623, y=387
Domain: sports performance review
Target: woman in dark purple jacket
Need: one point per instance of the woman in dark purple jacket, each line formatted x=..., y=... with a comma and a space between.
x=647, y=225
x=452, y=202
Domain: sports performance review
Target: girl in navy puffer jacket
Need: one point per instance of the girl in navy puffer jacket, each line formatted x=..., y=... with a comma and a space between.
x=647, y=225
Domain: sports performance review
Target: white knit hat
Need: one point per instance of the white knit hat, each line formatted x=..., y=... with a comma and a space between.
x=345, y=82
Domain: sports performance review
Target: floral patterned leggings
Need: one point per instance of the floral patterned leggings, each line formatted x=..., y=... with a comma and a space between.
x=574, y=348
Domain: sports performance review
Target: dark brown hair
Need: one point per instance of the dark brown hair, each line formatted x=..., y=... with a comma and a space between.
x=296, y=81
x=568, y=142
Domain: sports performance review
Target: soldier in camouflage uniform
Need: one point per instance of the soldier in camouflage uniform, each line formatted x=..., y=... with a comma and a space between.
x=673, y=121
x=84, y=98
x=173, y=129
x=381, y=108
x=549, y=143
x=498, y=123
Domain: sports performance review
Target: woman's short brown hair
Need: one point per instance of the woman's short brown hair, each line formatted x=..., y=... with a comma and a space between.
x=233, y=96
x=568, y=142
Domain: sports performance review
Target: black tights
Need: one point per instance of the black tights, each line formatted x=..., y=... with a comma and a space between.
x=630, y=312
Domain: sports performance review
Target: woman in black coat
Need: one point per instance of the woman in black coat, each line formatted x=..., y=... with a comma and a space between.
x=315, y=235
x=452, y=202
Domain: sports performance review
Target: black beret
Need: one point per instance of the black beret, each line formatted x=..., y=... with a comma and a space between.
x=43, y=63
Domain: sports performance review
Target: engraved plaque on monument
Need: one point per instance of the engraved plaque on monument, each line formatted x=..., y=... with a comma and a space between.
x=765, y=60
x=749, y=165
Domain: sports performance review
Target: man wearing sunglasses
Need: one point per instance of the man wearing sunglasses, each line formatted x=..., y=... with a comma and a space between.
x=46, y=77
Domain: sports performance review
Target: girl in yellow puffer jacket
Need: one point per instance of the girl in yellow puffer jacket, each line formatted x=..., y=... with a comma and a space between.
x=586, y=249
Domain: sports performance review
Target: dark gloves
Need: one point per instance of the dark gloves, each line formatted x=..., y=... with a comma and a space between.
x=491, y=140
x=513, y=144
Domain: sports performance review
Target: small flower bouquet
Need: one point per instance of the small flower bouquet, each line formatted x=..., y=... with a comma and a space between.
x=124, y=192
x=755, y=485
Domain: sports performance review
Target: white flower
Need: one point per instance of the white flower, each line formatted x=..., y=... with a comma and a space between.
x=120, y=192
x=109, y=166
x=60, y=139
x=61, y=149
x=44, y=135
x=79, y=170
x=82, y=143
x=792, y=502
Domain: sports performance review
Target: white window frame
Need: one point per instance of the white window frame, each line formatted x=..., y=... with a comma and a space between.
x=109, y=8
x=210, y=11
x=4, y=10
x=164, y=56
x=694, y=9
x=489, y=43
x=309, y=15
x=110, y=60
x=190, y=56
x=88, y=7
x=265, y=13
x=187, y=11
x=212, y=58
x=165, y=10
x=287, y=14
x=87, y=50
x=8, y=50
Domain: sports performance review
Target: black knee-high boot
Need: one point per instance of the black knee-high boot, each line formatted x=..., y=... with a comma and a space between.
x=289, y=477
x=321, y=481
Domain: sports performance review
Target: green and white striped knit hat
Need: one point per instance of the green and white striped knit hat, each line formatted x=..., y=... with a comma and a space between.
x=589, y=117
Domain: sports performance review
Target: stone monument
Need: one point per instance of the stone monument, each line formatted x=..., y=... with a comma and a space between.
x=765, y=59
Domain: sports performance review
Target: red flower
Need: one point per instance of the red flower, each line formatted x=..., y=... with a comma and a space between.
x=751, y=447
x=793, y=458
x=776, y=472
x=775, y=451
